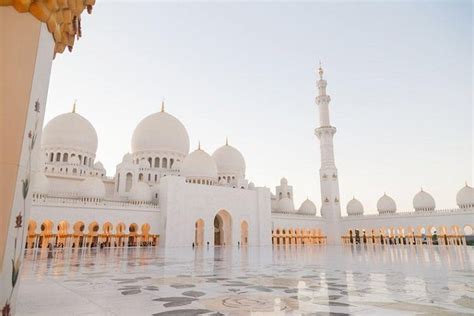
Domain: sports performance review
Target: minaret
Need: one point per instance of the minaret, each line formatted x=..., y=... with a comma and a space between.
x=328, y=176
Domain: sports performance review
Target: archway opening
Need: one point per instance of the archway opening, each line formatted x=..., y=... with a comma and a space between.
x=199, y=232
x=244, y=233
x=222, y=228
x=93, y=234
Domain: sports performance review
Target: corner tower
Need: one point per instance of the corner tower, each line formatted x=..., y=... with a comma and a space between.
x=328, y=176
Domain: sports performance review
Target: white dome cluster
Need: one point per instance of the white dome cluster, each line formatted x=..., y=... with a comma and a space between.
x=355, y=208
x=199, y=167
x=127, y=158
x=307, y=207
x=140, y=193
x=230, y=162
x=70, y=131
x=465, y=197
x=160, y=132
x=92, y=188
x=386, y=205
x=423, y=201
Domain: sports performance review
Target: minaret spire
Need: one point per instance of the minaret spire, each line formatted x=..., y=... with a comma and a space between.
x=321, y=71
x=328, y=175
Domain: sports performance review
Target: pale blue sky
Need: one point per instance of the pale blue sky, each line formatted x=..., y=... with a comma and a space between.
x=399, y=74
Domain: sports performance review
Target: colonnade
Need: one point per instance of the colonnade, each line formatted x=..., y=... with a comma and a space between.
x=77, y=237
x=297, y=236
x=410, y=236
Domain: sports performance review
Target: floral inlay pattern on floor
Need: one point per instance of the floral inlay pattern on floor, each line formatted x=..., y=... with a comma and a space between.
x=304, y=280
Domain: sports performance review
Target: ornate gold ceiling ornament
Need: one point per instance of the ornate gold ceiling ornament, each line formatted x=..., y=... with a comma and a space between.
x=63, y=17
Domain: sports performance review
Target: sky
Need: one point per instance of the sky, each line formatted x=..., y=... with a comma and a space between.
x=399, y=74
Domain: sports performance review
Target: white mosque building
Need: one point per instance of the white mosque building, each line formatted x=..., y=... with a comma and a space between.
x=163, y=194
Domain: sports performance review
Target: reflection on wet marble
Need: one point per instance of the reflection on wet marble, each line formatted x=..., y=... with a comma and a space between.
x=303, y=280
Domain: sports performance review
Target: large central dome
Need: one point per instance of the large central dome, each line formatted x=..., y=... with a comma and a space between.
x=160, y=132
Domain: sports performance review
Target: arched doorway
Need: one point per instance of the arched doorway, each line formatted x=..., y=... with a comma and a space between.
x=199, y=233
x=222, y=228
x=132, y=240
x=244, y=233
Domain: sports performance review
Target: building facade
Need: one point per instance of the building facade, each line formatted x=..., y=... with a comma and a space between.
x=162, y=194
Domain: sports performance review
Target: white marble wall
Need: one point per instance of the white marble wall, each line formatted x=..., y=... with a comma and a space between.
x=182, y=204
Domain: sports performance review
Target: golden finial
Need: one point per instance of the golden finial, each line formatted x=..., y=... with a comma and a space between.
x=163, y=105
x=74, y=106
x=321, y=71
x=227, y=141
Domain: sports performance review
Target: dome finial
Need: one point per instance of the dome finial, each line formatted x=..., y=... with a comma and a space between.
x=227, y=141
x=321, y=71
x=163, y=105
x=74, y=106
x=421, y=189
x=199, y=145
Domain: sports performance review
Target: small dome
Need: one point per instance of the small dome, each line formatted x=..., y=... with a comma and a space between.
x=285, y=205
x=251, y=186
x=74, y=160
x=160, y=132
x=229, y=161
x=283, y=181
x=354, y=207
x=143, y=163
x=40, y=184
x=140, y=192
x=92, y=188
x=465, y=197
x=222, y=181
x=386, y=205
x=307, y=207
x=70, y=131
x=199, y=165
x=99, y=166
x=127, y=158
x=423, y=201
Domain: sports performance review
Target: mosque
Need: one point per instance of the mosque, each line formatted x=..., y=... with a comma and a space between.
x=163, y=194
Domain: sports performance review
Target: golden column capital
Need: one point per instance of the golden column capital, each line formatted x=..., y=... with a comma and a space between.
x=63, y=17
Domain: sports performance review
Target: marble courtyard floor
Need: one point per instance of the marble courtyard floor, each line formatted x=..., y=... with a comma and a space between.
x=309, y=280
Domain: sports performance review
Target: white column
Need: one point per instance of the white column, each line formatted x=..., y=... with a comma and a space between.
x=26, y=54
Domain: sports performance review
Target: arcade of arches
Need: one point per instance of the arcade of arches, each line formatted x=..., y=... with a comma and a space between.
x=298, y=236
x=419, y=235
x=80, y=234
